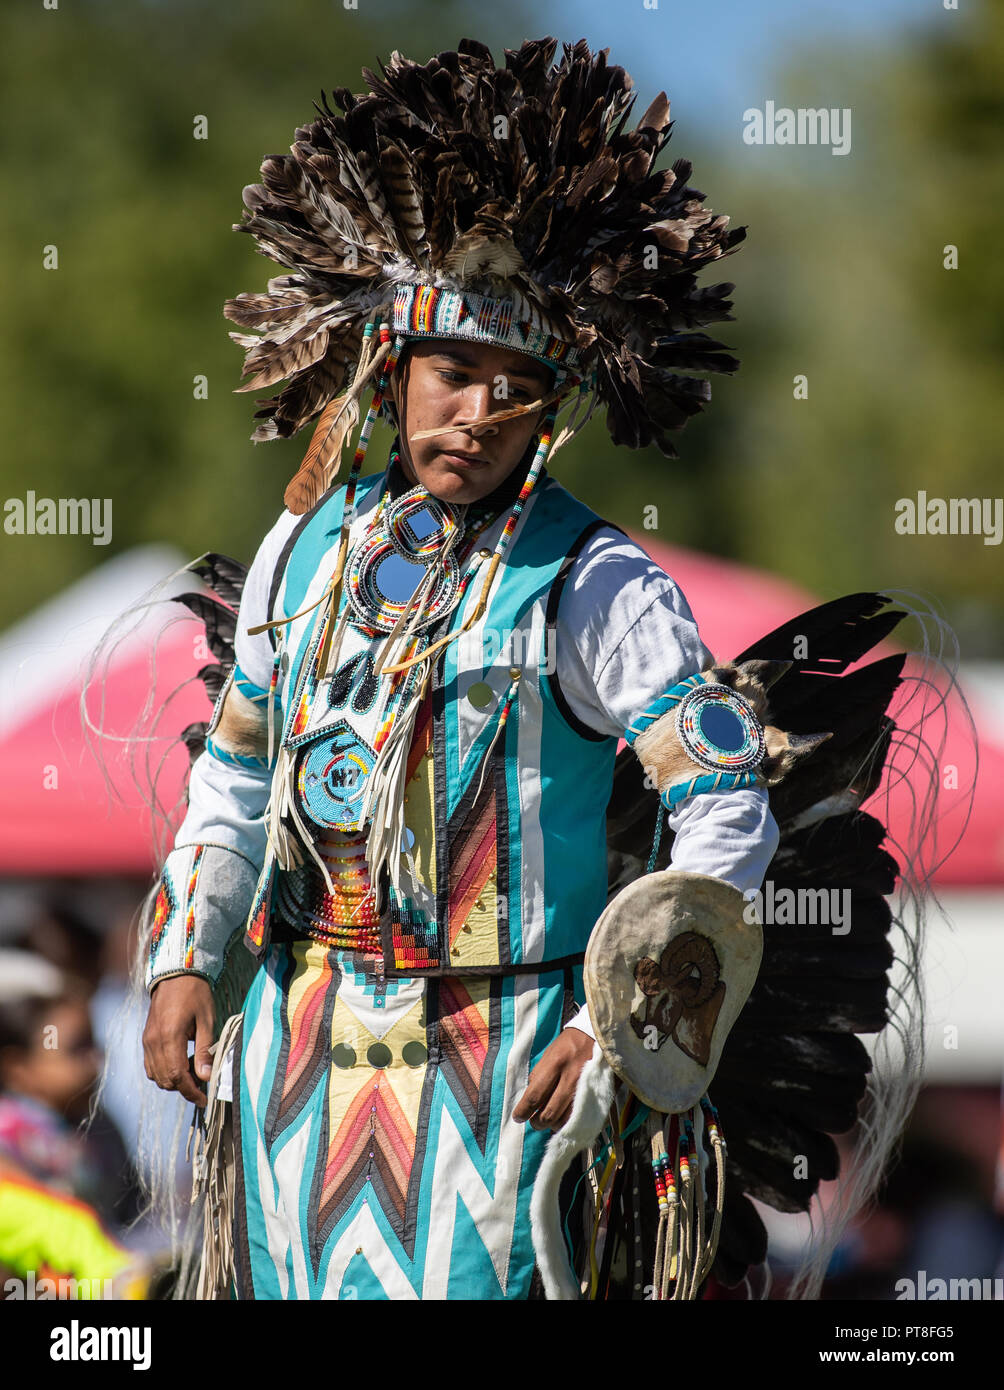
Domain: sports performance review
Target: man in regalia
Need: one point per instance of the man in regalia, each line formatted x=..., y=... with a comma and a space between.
x=395, y=851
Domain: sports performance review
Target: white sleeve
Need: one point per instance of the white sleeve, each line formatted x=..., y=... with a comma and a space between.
x=255, y=654
x=209, y=878
x=226, y=803
x=625, y=635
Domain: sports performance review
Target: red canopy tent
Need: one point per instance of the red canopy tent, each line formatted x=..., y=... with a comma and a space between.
x=64, y=810
x=734, y=605
x=61, y=813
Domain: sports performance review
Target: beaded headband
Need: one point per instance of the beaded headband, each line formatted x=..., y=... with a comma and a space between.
x=427, y=311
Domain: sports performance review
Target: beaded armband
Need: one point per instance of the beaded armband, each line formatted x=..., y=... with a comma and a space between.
x=202, y=904
x=238, y=733
x=699, y=736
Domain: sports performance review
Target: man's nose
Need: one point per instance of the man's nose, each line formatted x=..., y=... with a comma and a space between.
x=478, y=404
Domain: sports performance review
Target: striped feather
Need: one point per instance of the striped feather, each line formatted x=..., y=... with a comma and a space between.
x=321, y=462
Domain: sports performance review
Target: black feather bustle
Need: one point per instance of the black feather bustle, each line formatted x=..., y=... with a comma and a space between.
x=743, y=1240
x=194, y=739
x=212, y=678
x=793, y=1070
x=225, y=577
x=220, y=623
x=222, y=574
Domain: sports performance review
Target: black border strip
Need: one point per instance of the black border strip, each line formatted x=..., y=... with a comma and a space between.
x=530, y=967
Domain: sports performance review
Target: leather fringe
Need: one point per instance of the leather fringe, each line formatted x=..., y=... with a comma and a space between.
x=213, y=1176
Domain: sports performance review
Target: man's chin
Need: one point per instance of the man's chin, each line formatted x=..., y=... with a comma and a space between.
x=454, y=483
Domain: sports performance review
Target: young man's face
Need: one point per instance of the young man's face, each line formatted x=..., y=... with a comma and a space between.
x=444, y=384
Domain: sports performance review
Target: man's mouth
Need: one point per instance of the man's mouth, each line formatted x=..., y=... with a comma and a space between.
x=466, y=460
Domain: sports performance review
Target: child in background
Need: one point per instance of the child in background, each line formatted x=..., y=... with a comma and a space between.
x=57, y=1186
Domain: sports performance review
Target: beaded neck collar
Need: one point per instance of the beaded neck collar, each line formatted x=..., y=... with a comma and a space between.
x=473, y=513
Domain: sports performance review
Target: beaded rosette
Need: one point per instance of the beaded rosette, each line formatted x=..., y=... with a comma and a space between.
x=719, y=729
x=707, y=723
x=411, y=548
x=331, y=777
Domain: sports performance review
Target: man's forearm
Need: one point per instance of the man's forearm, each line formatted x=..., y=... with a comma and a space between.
x=204, y=897
x=208, y=881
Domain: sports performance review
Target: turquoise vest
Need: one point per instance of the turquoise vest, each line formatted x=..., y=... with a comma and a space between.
x=510, y=825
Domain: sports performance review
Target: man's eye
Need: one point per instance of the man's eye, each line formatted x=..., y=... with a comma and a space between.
x=518, y=393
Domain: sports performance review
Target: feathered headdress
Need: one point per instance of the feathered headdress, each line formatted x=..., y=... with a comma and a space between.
x=507, y=205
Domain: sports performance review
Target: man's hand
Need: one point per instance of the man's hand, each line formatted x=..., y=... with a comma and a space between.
x=547, y=1100
x=181, y=1009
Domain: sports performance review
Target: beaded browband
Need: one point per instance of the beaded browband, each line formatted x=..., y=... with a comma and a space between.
x=426, y=311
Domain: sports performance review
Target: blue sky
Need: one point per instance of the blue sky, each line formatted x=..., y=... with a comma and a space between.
x=716, y=57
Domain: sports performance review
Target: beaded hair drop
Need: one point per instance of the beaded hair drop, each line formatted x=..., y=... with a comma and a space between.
x=384, y=800
x=331, y=642
x=386, y=355
x=383, y=803
x=578, y=417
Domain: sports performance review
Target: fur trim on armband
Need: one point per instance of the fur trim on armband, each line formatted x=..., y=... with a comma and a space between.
x=238, y=731
x=594, y=1093
x=711, y=732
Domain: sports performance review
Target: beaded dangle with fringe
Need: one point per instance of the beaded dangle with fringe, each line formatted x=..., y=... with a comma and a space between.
x=685, y=1246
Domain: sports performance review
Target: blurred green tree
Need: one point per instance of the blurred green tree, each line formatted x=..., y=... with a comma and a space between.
x=844, y=280
x=841, y=280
